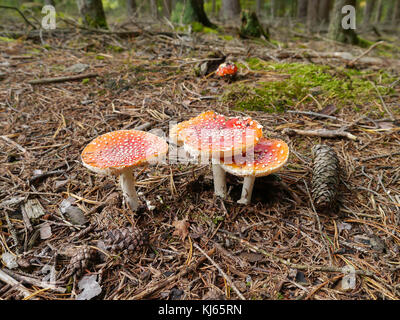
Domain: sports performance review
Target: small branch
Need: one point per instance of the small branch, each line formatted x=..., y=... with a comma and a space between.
x=386, y=155
x=14, y=283
x=383, y=102
x=352, y=62
x=288, y=263
x=19, y=147
x=63, y=79
x=21, y=14
x=161, y=284
x=323, y=133
x=226, y=277
x=313, y=114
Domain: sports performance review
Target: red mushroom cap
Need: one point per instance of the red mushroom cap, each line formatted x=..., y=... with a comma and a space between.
x=117, y=150
x=226, y=69
x=211, y=133
x=269, y=156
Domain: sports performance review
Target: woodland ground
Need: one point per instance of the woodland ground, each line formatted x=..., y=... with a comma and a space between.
x=150, y=79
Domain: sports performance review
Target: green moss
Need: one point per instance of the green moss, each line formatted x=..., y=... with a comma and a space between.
x=5, y=39
x=227, y=37
x=296, y=80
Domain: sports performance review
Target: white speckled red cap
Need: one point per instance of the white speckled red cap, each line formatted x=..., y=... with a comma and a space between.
x=269, y=156
x=117, y=150
x=213, y=134
x=226, y=69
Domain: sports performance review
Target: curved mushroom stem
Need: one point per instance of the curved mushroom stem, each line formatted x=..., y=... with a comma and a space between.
x=247, y=189
x=219, y=180
x=127, y=182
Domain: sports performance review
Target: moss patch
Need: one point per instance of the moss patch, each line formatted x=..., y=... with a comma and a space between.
x=343, y=87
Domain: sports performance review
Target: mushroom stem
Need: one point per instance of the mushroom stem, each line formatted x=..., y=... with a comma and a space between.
x=219, y=180
x=247, y=189
x=127, y=182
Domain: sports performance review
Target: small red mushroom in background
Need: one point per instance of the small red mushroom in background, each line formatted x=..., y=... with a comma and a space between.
x=227, y=70
x=118, y=152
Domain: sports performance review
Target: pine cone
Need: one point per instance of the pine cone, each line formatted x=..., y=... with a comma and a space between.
x=325, y=178
x=80, y=260
x=125, y=239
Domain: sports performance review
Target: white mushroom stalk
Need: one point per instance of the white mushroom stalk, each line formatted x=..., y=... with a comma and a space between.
x=247, y=189
x=127, y=182
x=219, y=176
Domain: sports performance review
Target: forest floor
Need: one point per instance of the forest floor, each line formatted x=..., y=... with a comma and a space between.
x=277, y=247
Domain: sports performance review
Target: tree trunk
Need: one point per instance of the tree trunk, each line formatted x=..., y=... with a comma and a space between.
x=131, y=7
x=92, y=13
x=251, y=26
x=193, y=11
x=302, y=9
x=396, y=13
x=336, y=30
x=389, y=12
x=369, y=8
x=230, y=9
x=323, y=11
x=379, y=10
x=154, y=9
x=312, y=15
x=276, y=6
x=167, y=8
x=259, y=7
x=214, y=7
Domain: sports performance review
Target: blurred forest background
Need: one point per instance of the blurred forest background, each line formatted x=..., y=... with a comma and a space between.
x=375, y=15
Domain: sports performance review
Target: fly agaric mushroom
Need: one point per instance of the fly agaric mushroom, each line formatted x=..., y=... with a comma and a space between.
x=227, y=69
x=117, y=152
x=268, y=157
x=212, y=134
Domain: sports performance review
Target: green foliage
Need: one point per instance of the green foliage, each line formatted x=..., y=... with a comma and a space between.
x=344, y=87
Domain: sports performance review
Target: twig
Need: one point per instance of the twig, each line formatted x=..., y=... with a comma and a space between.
x=352, y=62
x=35, y=282
x=288, y=263
x=383, y=102
x=386, y=155
x=12, y=231
x=323, y=133
x=12, y=282
x=21, y=14
x=226, y=277
x=313, y=114
x=19, y=147
x=161, y=284
x=63, y=79
x=319, y=223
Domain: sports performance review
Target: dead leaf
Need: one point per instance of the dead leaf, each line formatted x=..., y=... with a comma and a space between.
x=181, y=228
